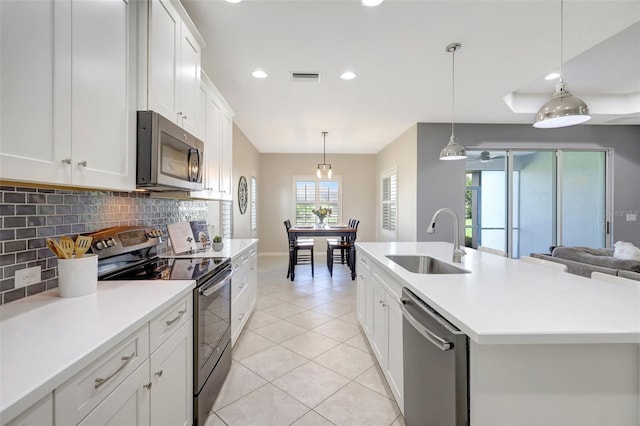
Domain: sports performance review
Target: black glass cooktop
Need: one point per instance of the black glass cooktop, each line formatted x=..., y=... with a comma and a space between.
x=169, y=269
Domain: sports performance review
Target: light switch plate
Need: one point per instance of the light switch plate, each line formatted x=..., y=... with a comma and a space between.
x=631, y=217
x=28, y=276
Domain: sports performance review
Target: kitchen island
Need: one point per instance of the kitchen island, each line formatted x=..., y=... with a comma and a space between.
x=545, y=347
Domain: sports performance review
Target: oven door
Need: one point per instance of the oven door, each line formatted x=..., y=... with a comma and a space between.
x=212, y=309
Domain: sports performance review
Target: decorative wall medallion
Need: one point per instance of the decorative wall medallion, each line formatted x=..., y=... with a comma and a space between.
x=243, y=194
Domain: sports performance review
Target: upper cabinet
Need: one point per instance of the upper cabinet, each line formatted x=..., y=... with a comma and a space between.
x=169, y=62
x=215, y=126
x=67, y=91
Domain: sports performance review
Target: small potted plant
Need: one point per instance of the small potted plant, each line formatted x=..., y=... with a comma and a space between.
x=217, y=243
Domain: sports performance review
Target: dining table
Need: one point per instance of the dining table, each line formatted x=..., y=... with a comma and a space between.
x=333, y=230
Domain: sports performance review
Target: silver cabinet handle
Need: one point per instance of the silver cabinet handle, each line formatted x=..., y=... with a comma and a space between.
x=66, y=161
x=82, y=163
x=159, y=373
x=99, y=381
x=442, y=344
x=180, y=314
x=241, y=316
x=382, y=303
x=147, y=386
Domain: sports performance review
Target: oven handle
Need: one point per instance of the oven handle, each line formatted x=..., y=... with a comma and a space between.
x=217, y=285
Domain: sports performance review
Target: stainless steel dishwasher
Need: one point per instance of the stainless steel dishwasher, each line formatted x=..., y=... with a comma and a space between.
x=436, y=367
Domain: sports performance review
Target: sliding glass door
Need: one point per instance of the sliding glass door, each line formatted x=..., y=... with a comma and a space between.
x=525, y=202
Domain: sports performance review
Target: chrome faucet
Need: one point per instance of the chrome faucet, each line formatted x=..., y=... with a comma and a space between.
x=457, y=251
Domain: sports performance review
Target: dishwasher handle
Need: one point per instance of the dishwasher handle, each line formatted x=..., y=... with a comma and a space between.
x=438, y=341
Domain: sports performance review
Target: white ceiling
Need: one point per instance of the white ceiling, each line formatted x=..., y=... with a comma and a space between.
x=403, y=72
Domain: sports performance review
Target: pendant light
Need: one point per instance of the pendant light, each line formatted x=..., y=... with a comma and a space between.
x=563, y=109
x=453, y=150
x=324, y=167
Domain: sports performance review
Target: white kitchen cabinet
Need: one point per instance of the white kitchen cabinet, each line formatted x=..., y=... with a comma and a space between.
x=169, y=73
x=218, y=139
x=243, y=289
x=172, y=379
x=77, y=59
x=380, y=316
x=40, y=414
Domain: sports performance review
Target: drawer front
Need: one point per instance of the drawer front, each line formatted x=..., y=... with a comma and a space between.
x=169, y=321
x=240, y=310
x=239, y=281
x=364, y=263
x=83, y=392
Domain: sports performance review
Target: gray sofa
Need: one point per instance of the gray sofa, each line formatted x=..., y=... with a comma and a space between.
x=585, y=260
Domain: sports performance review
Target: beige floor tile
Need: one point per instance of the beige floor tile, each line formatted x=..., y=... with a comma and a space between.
x=286, y=295
x=239, y=382
x=351, y=317
x=338, y=329
x=311, y=383
x=284, y=310
x=266, y=406
x=280, y=331
x=310, y=344
x=399, y=421
x=214, y=420
x=346, y=360
x=309, y=301
x=356, y=405
x=309, y=319
x=334, y=309
x=266, y=302
x=313, y=419
x=359, y=341
x=260, y=319
x=249, y=344
x=273, y=362
x=374, y=380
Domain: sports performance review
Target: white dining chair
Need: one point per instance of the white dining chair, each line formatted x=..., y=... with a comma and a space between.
x=611, y=278
x=545, y=263
x=492, y=251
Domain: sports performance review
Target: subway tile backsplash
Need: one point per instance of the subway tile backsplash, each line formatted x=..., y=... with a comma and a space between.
x=28, y=216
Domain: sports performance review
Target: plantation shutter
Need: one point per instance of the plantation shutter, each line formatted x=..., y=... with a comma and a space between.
x=329, y=196
x=389, y=202
x=305, y=201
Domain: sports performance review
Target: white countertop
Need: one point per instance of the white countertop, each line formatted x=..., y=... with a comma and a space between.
x=46, y=339
x=507, y=301
x=231, y=248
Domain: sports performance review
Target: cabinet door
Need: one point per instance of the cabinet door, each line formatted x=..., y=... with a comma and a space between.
x=164, y=50
x=35, y=66
x=368, y=304
x=40, y=414
x=189, y=73
x=394, y=348
x=201, y=113
x=213, y=149
x=103, y=94
x=227, y=157
x=127, y=405
x=361, y=299
x=172, y=379
x=380, y=319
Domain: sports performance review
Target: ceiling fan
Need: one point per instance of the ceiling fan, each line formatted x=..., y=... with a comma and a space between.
x=484, y=156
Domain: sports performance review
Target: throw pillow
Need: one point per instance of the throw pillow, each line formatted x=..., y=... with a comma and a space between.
x=625, y=250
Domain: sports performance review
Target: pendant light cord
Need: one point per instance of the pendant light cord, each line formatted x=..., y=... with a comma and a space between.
x=561, y=36
x=453, y=89
x=324, y=148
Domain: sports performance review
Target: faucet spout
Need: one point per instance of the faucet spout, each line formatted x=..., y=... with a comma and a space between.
x=458, y=252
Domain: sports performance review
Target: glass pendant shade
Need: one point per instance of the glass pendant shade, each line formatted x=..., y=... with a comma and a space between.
x=453, y=150
x=562, y=110
x=324, y=167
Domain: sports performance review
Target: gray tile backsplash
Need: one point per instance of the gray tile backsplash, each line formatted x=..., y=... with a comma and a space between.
x=29, y=215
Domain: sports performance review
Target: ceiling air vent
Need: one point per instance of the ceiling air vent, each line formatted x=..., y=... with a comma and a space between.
x=312, y=77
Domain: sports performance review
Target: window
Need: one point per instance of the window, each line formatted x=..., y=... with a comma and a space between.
x=253, y=195
x=390, y=200
x=311, y=193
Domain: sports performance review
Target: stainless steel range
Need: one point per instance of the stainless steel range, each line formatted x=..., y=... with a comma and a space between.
x=131, y=253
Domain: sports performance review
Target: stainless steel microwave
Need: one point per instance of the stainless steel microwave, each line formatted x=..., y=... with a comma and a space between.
x=168, y=157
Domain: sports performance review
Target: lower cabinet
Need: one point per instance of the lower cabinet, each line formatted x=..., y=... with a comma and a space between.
x=380, y=316
x=146, y=379
x=244, y=290
x=39, y=414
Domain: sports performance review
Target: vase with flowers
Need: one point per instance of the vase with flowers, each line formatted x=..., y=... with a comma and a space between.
x=321, y=213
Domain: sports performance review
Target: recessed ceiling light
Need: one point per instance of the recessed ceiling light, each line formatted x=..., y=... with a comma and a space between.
x=259, y=74
x=371, y=3
x=348, y=75
x=233, y=1
x=552, y=76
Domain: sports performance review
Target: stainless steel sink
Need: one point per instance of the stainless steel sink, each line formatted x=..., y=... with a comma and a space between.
x=425, y=265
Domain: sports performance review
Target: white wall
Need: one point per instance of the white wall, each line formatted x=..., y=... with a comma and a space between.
x=401, y=154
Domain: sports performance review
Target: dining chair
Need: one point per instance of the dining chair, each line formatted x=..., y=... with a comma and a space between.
x=339, y=249
x=610, y=278
x=545, y=263
x=492, y=251
x=300, y=245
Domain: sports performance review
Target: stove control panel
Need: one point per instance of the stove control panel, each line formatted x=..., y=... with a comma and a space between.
x=124, y=239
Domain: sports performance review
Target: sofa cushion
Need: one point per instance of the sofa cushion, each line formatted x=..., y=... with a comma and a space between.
x=599, y=257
